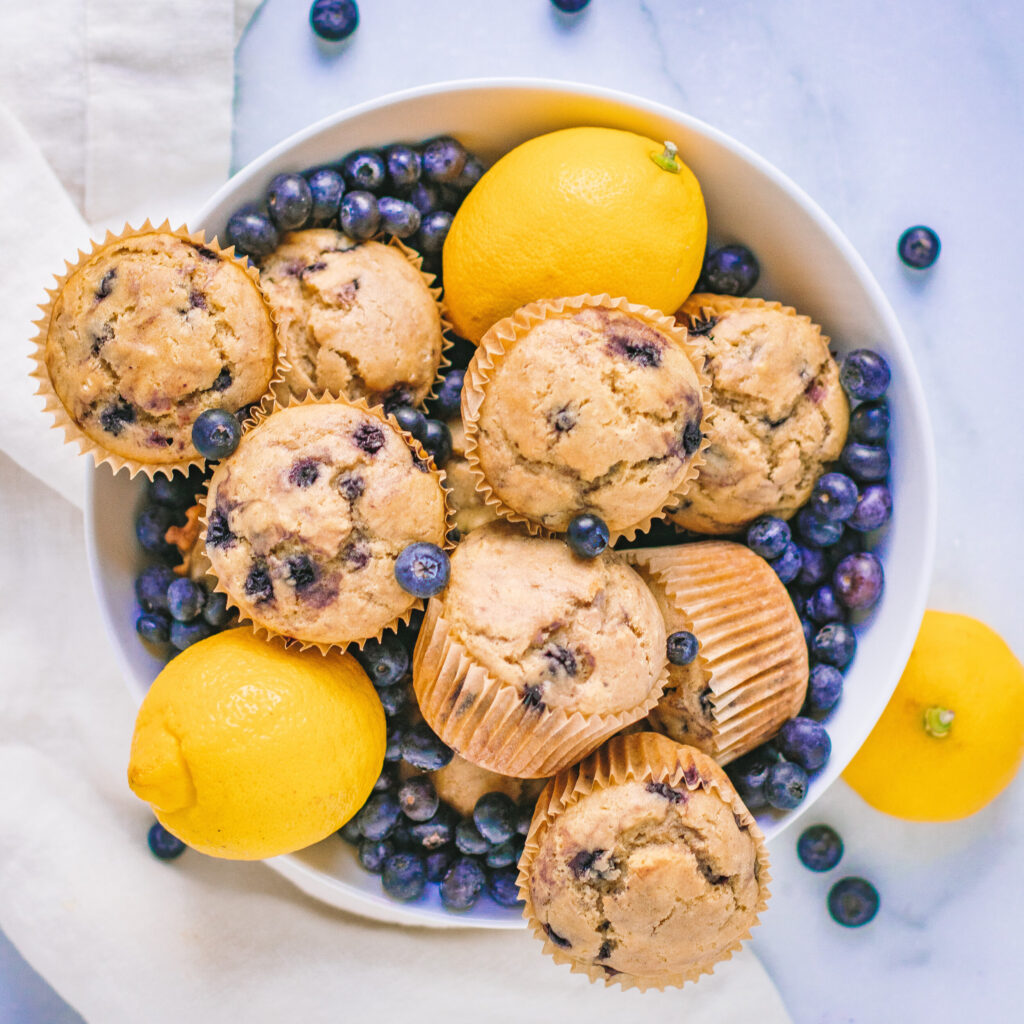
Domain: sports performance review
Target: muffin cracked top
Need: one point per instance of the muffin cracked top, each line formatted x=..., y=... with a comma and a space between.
x=150, y=331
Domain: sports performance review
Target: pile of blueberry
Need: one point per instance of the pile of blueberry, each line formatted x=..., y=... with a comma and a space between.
x=409, y=191
x=404, y=832
x=833, y=580
x=852, y=901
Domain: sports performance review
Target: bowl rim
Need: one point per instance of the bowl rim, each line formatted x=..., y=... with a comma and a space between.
x=300, y=874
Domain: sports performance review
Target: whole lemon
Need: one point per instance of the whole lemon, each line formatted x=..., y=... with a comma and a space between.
x=579, y=210
x=952, y=736
x=246, y=749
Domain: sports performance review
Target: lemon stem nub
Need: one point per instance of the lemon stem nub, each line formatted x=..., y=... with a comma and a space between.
x=938, y=722
x=666, y=159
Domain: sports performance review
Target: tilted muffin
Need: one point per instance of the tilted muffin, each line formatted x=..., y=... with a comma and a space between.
x=356, y=319
x=467, y=503
x=642, y=867
x=579, y=405
x=150, y=330
x=306, y=518
x=780, y=413
x=532, y=656
x=750, y=674
x=460, y=783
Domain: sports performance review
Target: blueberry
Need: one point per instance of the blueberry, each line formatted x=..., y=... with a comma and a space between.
x=397, y=217
x=385, y=660
x=834, y=497
x=495, y=817
x=374, y=852
x=437, y=439
x=503, y=888
x=422, y=569
x=326, y=188
x=731, y=270
x=185, y=634
x=422, y=749
x=919, y=247
x=874, y=508
x=587, y=535
x=824, y=688
x=787, y=565
x=216, y=611
x=785, y=785
x=185, y=599
x=394, y=699
x=853, y=902
x=162, y=844
x=378, y=816
x=435, y=832
x=449, y=395
x=418, y=798
x=387, y=781
x=472, y=171
x=364, y=170
x=858, y=580
x=178, y=491
x=403, y=165
x=814, y=567
x=864, y=375
x=682, y=647
x=334, y=20
x=809, y=629
x=749, y=773
x=216, y=433
x=359, y=215
x=819, y=848
x=395, y=739
x=437, y=864
x=525, y=817
x=405, y=876
x=461, y=886
x=468, y=839
x=443, y=159
x=289, y=201
x=570, y=6
x=823, y=606
x=411, y=420
x=819, y=533
x=252, y=233
x=350, y=832
x=426, y=198
x=834, y=644
x=869, y=422
x=433, y=231
x=151, y=587
x=154, y=627
x=768, y=536
x=152, y=524
x=501, y=856
x=804, y=741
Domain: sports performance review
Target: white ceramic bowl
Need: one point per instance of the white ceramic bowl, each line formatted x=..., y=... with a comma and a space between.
x=805, y=262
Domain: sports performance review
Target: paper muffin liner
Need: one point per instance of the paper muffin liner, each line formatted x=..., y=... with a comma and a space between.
x=62, y=420
x=752, y=646
x=260, y=416
x=502, y=337
x=485, y=721
x=637, y=758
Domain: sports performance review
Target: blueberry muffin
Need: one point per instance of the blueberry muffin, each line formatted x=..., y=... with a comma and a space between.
x=356, y=319
x=750, y=673
x=532, y=656
x=467, y=503
x=148, y=332
x=460, y=784
x=584, y=405
x=780, y=413
x=305, y=520
x=642, y=866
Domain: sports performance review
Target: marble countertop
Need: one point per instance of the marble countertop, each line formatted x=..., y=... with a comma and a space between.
x=888, y=115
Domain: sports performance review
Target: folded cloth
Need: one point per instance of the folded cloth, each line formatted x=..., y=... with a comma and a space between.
x=121, y=936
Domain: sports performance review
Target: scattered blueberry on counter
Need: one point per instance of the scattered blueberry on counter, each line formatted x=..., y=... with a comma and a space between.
x=334, y=20
x=819, y=848
x=853, y=902
x=162, y=844
x=919, y=247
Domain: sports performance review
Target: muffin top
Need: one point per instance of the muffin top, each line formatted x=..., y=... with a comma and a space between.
x=780, y=413
x=580, y=635
x=646, y=878
x=356, y=319
x=306, y=518
x=149, y=332
x=595, y=410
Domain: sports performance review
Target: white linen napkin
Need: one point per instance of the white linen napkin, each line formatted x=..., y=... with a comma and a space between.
x=119, y=110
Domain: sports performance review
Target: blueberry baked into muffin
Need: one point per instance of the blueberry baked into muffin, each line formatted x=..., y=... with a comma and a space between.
x=304, y=522
x=148, y=332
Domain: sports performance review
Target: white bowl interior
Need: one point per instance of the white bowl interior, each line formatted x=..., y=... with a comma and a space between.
x=805, y=263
